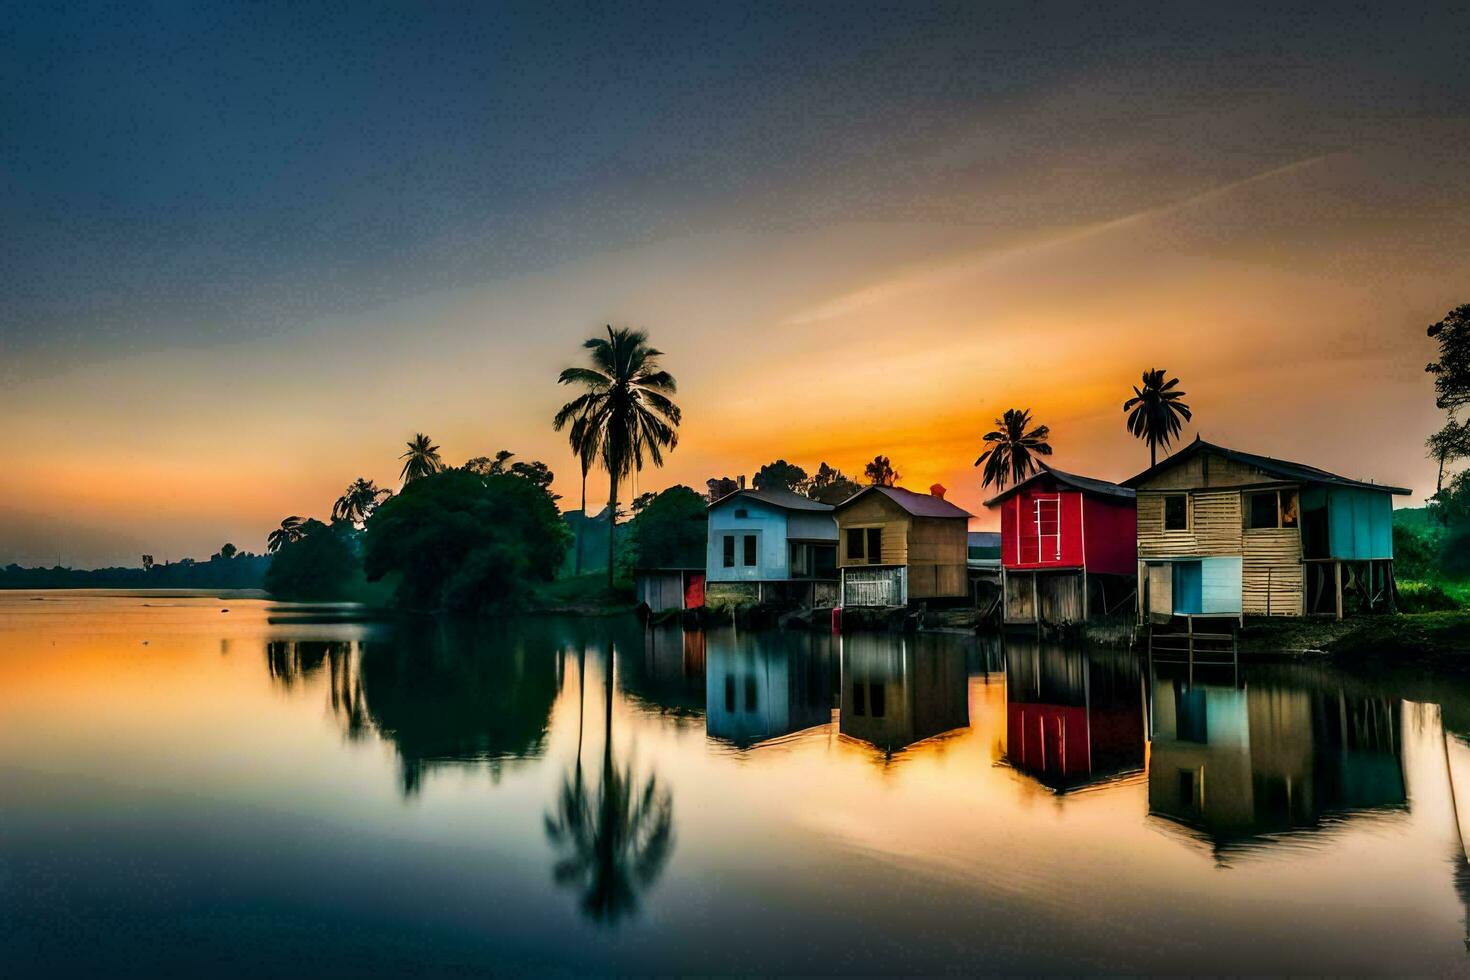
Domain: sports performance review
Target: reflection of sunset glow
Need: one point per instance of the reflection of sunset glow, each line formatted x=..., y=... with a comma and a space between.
x=120, y=714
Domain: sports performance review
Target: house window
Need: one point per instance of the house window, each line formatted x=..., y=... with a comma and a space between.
x=741, y=513
x=1260, y=510
x=854, y=544
x=729, y=551
x=875, y=545
x=1271, y=509
x=750, y=551
x=1176, y=512
x=730, y=693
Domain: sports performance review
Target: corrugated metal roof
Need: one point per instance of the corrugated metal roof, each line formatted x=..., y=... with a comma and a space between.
x=1280, y=468
x=784, y=499
x=1085, y=484
x=918, y=504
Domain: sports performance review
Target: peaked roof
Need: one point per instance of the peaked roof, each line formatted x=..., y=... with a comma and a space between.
x=784, y=499
x=918, y=504
x=1280, y=468
x=1085, y=484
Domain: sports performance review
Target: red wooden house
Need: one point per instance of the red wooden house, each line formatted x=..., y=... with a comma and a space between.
x=1068, y=547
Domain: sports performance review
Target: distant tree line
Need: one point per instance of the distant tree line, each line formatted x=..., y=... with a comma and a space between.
x=229, y=568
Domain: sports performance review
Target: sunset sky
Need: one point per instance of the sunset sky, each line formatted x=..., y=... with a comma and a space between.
x=249, y=251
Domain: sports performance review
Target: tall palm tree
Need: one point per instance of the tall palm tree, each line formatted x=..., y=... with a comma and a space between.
x=1155, y=412
x=615, y=843
x=422, y=459
x=880, y=472
x=292, y=529
x=359, y=501
x=1014, y=446
x=585, y=439
x=626, y=408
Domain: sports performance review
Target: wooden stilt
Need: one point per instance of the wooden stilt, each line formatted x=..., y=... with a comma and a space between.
x=1337, y=580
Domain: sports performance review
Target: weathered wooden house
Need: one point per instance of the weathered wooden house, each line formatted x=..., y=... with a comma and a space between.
x=1068, y=547
x=772, y=544
x=896, y=546
x=1224, y=533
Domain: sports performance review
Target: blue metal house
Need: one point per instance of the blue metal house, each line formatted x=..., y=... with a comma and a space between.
x=771, y=544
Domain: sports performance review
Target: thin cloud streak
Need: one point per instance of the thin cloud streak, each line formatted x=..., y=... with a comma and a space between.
x=976, y=262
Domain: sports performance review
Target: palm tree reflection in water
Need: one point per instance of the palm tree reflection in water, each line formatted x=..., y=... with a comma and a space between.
x=613, y=843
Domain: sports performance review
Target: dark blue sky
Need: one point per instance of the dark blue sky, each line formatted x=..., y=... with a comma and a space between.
x=174, y=173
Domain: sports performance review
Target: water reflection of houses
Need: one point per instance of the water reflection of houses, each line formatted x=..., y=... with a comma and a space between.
x=1073, y=719
x=1242, y=764
x=765, y=686
x=662, y=671
x=900, y=690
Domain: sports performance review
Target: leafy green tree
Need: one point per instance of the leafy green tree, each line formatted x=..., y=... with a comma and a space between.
x=1415, y=552
x=289, y=531
x=1155, y=412
x=461, y=541
x=320, y=564
x=668, y=533
x=627, y=403
x=830, y=486
x=227, y=551
x=421, y=460
x=719, y=487
x=535, y=471
x=1014, y=446
x=880, y=472
x=781, y=475
x=1452, y=370
x=358, y=502
x=1449, y=445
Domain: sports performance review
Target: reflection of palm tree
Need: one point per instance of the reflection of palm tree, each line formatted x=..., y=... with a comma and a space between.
x=421, y=459
x=614, y=844
x=1013, y=448
x=626, y=408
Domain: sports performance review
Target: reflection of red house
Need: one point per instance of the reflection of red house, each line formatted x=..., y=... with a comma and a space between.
x=1065, y=746
x=1068, y=549
x=1048, y=738
x=1072, y=719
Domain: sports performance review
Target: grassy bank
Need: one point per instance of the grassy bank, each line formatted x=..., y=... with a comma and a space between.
x=1432, y=639
x=583, y=595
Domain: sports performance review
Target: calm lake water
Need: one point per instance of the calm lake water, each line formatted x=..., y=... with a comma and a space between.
x=282, y=790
